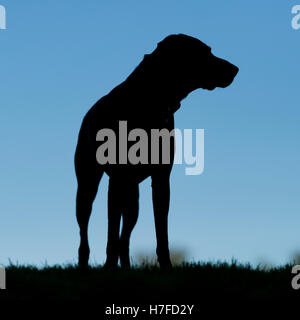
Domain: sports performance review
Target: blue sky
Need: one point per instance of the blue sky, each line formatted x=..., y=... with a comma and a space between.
x=59, y=57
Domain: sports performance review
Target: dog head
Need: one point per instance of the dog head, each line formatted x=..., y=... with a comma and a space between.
x=190, y=64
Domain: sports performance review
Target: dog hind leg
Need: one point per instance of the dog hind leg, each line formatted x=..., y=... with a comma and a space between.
x=114, y=219
x=130, y=210
x=88, y=177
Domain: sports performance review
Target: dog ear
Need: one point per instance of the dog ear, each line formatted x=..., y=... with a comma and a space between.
x=166, y=54
x=172, y=45
x=181, y=45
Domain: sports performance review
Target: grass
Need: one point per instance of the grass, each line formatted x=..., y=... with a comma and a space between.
x=197, y=283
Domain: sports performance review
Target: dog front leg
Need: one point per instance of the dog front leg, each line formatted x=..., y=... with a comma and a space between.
x=161, y=201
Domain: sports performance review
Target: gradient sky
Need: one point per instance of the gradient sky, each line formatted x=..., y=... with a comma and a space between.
x=59, y=57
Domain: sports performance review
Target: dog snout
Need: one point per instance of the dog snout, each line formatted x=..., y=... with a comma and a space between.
x=228, y=72
x=235, y=70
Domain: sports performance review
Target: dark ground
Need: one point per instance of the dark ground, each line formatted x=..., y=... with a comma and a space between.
x=208, y=286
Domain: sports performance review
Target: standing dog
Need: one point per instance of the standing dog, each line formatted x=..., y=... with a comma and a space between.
x=147, y=99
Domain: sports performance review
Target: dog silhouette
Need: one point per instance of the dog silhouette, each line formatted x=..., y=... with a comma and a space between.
x=147, y=99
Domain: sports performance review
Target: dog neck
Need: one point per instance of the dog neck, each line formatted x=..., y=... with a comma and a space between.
x=161, y=91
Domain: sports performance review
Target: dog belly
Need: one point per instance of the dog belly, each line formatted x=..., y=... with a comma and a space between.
x=136, y=173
